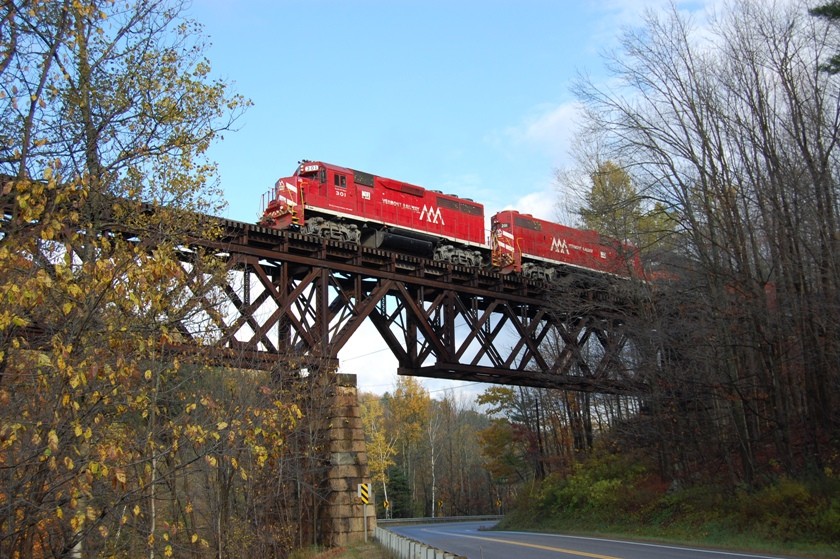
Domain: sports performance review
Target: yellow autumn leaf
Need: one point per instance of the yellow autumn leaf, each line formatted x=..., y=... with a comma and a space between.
x=194, y=538
x=136, y=510
x=221, y=425
x=148, y=374
x=52, y=440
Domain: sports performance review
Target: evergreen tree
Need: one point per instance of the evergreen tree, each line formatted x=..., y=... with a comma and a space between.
x=830, y=12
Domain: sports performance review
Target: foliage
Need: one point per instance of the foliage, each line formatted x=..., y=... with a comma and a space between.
x=602, y=483
x=503, y=452
x=400, y=494
x=734, y=133
x=831, y=12
x=612, y=205
x=425, y=451
x=789, y=509
x=408, y=417
x=380, y=450
x=105, y=430
x=617, y=494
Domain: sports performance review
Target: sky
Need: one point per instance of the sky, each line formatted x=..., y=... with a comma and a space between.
x=471, y=97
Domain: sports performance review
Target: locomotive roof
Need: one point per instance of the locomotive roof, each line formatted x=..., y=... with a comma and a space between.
x=387, y=182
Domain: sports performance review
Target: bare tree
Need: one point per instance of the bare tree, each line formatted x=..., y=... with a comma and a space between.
x=735, y=134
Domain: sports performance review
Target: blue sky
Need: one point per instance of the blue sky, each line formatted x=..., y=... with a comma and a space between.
x=466, y=96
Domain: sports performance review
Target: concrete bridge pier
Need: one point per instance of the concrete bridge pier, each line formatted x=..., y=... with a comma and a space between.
x=343, y=514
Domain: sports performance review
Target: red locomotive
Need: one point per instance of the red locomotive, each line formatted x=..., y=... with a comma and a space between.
x=347, y=205
x=534, y=247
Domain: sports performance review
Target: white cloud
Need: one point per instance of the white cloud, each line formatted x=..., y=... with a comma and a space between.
x=548, y=129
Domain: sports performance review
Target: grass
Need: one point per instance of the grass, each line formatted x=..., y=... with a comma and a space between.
x=786, y=517
x=708, y=537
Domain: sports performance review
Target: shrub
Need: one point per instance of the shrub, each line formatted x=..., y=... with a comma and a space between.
x=785, y=510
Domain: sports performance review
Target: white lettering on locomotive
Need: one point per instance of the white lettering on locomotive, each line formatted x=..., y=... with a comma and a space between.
x=432, y=215
x=365, y=195
x=559, y=245
x=403, y=205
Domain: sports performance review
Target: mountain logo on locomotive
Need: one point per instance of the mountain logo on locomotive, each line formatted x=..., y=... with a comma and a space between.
x=559, y=245
x=432, y=215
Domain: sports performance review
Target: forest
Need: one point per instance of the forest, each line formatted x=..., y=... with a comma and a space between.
x=714, y=150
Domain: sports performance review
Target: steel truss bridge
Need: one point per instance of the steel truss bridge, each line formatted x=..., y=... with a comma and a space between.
x=292, y=302
x=295, y=301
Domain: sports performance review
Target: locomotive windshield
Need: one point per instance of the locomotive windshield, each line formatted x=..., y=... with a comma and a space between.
x=312, y=170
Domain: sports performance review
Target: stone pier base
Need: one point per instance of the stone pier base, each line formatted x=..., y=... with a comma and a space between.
x=343, y=514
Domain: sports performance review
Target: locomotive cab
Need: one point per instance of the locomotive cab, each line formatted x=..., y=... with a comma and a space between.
x=312, y=172
x=288, y=206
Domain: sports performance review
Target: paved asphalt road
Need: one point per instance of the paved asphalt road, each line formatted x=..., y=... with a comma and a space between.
x=466, y=538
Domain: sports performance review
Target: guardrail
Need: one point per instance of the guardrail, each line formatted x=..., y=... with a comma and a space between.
x=429, y=520
x=406, y=548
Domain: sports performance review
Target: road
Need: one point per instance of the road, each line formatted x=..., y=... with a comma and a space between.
x=469, y=540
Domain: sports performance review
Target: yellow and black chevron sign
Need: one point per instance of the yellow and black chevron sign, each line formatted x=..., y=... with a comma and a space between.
x=364, y=493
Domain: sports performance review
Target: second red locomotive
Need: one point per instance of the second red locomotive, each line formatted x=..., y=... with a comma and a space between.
x=533, y=247
x=348, y=205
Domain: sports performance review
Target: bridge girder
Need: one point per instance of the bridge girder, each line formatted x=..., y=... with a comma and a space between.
x=292, y=301
x=297, y=301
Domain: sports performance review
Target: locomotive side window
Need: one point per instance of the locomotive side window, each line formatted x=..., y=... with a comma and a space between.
x=340, y=180
x=527, y=223
x=459, y=206
x=448, y=203
x=471, y=209
x=365, y=179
